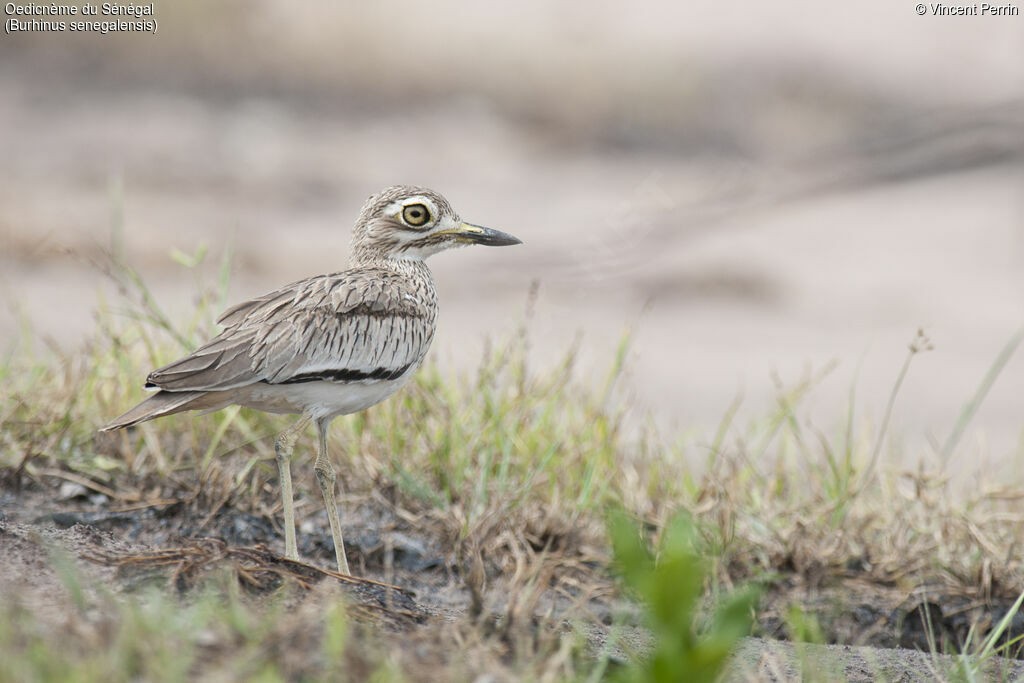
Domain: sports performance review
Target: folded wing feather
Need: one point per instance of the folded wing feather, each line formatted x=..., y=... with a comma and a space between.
x=362, y=325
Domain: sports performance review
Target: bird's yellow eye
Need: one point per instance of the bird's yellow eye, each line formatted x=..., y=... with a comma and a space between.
x=416, y=215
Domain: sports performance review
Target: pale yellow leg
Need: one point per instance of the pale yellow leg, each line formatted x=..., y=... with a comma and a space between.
x=284, y=446
x=325, y=476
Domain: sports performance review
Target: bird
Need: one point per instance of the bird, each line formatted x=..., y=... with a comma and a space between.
x=327, y=345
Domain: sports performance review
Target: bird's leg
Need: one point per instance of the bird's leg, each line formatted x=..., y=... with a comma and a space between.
x=325, y=477
x=284, y=445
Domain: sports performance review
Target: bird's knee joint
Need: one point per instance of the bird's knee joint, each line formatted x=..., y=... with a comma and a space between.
x=325, y=473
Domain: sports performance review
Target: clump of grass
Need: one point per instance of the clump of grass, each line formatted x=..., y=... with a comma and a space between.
x=977, y=659
x=815, y=513
x=217, y=634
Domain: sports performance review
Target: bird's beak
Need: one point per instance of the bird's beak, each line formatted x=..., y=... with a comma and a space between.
x=476, y=234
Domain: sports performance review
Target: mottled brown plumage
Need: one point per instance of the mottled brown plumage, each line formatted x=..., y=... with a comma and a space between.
x=329, y=345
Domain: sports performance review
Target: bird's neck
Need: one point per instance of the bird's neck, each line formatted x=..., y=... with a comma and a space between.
x=412, y=268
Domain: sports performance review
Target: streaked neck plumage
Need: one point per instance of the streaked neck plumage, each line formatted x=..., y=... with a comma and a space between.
x=364, y=257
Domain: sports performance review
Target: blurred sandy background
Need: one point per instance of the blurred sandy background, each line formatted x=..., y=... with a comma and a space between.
x=755, y=192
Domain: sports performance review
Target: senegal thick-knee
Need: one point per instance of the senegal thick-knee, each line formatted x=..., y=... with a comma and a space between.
x=329, y=345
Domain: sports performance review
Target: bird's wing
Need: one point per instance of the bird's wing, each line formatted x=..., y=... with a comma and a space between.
x=357, y=325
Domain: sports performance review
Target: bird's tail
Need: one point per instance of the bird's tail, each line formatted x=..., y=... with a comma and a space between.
x=159, y=404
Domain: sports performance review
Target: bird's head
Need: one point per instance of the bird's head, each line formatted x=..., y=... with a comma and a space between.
x=412, y=223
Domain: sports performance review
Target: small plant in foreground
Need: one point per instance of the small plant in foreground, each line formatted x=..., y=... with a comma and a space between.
x=978, y=665
x=671, y=584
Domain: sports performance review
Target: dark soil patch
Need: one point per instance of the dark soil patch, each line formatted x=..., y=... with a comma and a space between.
x=855, y=612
